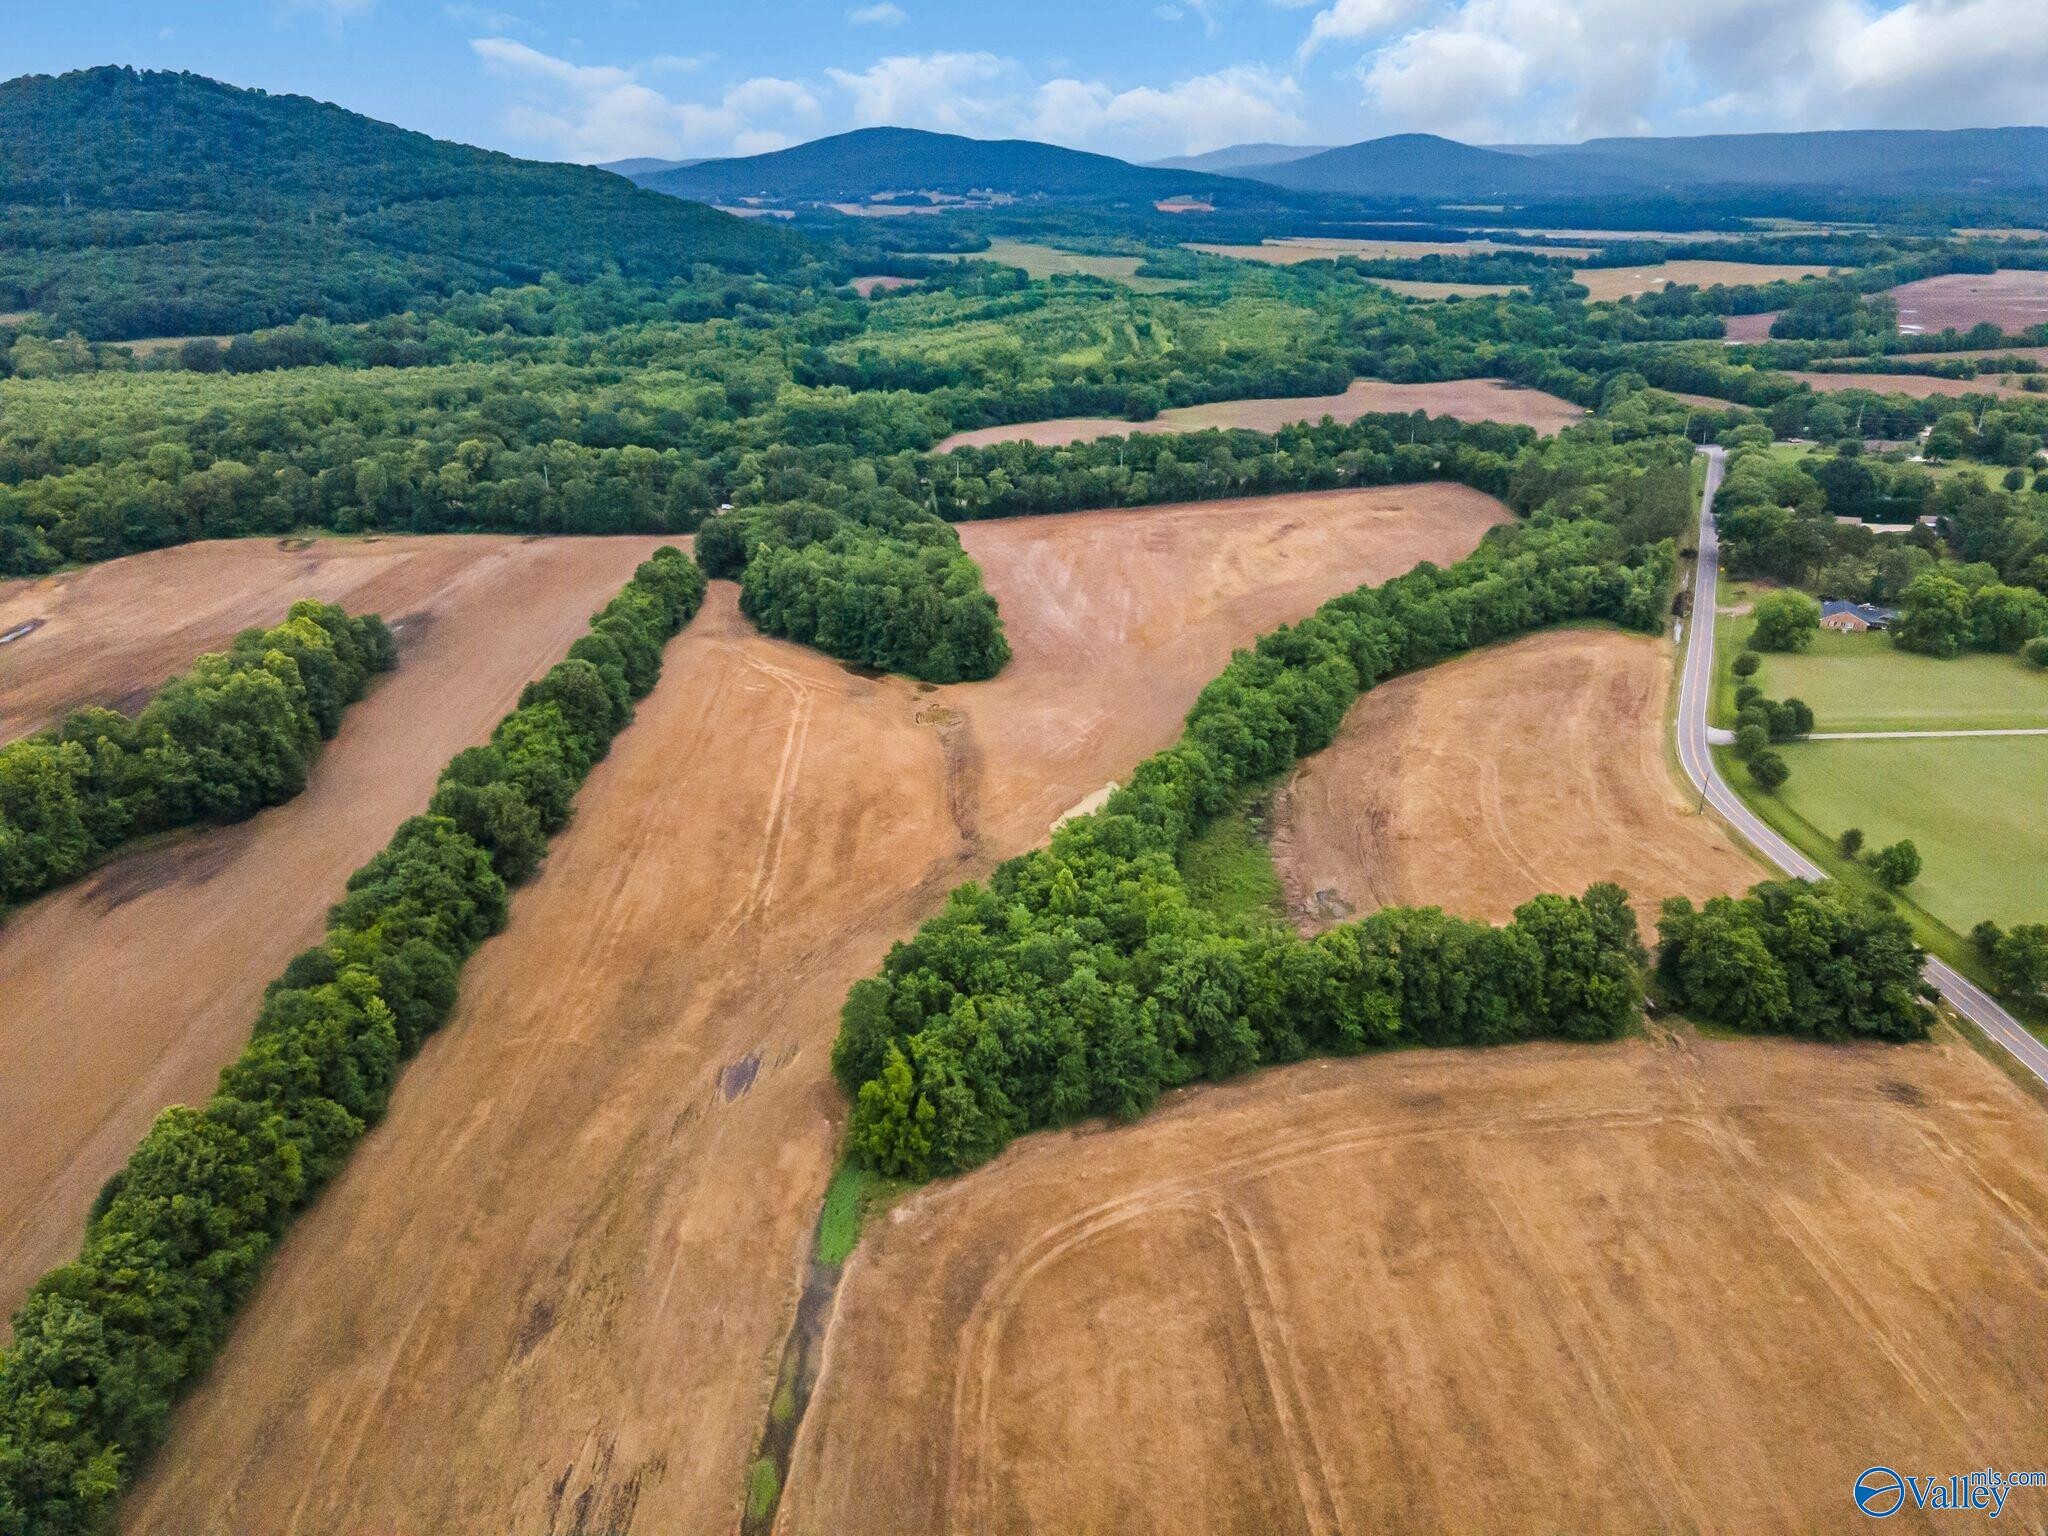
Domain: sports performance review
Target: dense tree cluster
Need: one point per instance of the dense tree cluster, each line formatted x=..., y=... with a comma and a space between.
x=103, y=1347
x=236, y=733
x=2017, y=957
x=1081, y=979
x=1795, y=958
x=1955, y=608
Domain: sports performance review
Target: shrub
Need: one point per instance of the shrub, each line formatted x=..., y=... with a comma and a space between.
x=1746, y=663
x=1850, y=842
x=1769, y=769
x=1785, y=621
x=1897, y=866
x=2035, y=651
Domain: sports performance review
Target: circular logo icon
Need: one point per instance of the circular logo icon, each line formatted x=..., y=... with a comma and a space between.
x=1879, y=1492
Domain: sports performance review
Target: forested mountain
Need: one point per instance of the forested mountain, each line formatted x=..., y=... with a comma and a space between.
x=140, y=204
x=850, y=166
x=1970, y=160
x=1424, y=165
x=1235, y=158
x=643, y=165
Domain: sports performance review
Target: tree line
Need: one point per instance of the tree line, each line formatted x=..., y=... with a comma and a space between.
x=236, y=733
x=104, y=1346
x=1081, y=979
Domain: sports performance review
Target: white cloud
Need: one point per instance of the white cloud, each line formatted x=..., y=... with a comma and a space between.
x=1574, y=68
x=1206, y=112
x=606, y=112
x=1349, y=19
x=883, y=15
x=951, y=92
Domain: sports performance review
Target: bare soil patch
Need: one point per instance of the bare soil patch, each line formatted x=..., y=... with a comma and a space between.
x=1466, y=399
x=1416, y=289
x=868, y=287
x=1751, y=327
x=1664, y=1284
x=1625, y=282
x=1527, y=767
x=2011, y=300
x=130, y=989
x=2037, y=354
x=566, y=1145
x=1919, y=385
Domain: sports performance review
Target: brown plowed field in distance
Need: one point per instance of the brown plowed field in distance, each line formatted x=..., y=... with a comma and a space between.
x=1751, y=327
x=1626, y=282
x=1465, y=399
x=1292, y=251
x=1537, y=765
x=1669, y=1283
x=130, y=989
x=550, y=1291
x=2011, y=300
x=1918, y=385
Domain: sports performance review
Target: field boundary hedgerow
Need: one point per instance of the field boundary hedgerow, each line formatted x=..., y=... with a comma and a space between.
x=236, y=732
x=104, y=1346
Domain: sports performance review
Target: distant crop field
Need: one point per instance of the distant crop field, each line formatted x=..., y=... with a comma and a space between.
x=1042, y=261
x=2010, y=300
x=1971, y=804
x=1421, y=290
x=1292, y=252
x=1920, y=386
x=1751, y=327
x=1626, y=282
x=1865, y=683
x=1466, y=399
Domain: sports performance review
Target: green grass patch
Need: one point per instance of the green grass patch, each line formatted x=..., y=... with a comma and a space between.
x=763, y=1489
x=1863, y=682
x=851, y=1198
x=1931, y=932
x=1229, y=869
x=1973, y=805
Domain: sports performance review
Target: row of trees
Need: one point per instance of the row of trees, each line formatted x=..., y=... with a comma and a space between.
x=1796, y=958
x=103, y=1347
x=238, y=732
x=1082, y=979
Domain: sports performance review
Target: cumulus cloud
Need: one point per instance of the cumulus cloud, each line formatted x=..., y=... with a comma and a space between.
x=1573, y=68
x=1203, y=113
x=607, y=112
x=950, y=92
x=883, y=15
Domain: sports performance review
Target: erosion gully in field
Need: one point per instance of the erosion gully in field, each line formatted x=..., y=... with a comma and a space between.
x=130, y=989
x=1465, y=399
x=551, y=1291
x=1533, y=766
x=1664, y=1284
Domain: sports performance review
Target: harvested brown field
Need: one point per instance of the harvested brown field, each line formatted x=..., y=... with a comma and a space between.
x=1751, y=327
x=1670, y=1283
x=2012, y=301
x=868, y=287
x=1919, y=385
x=1295, y=250
x=1408, y=288
x=1533, y=766
x=1467, y=399
x=2035, y=354
x=130, y=989
x=1626, y=282
x=549, y=1293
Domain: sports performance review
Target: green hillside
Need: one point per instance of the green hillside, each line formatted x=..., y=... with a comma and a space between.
x=151, y=204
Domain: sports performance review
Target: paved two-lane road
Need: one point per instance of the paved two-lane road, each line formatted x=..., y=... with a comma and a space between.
x=1695, y=689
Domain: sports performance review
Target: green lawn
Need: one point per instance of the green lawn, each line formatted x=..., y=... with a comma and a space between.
x=1974, y=806
x=1229, y=868
x=1864, y=683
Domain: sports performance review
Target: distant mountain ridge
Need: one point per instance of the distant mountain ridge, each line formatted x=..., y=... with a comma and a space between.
x=147, y=203
x=644, y=165
x=1236, y=157
x=858, y=165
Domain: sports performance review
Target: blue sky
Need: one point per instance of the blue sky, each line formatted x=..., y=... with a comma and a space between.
x=1143, y=78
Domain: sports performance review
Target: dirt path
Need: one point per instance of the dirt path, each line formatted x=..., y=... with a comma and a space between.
x=550, y=1292
x=1466, y=399
x=132, y=988
x=1532, y=766
x=1663, y=1284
